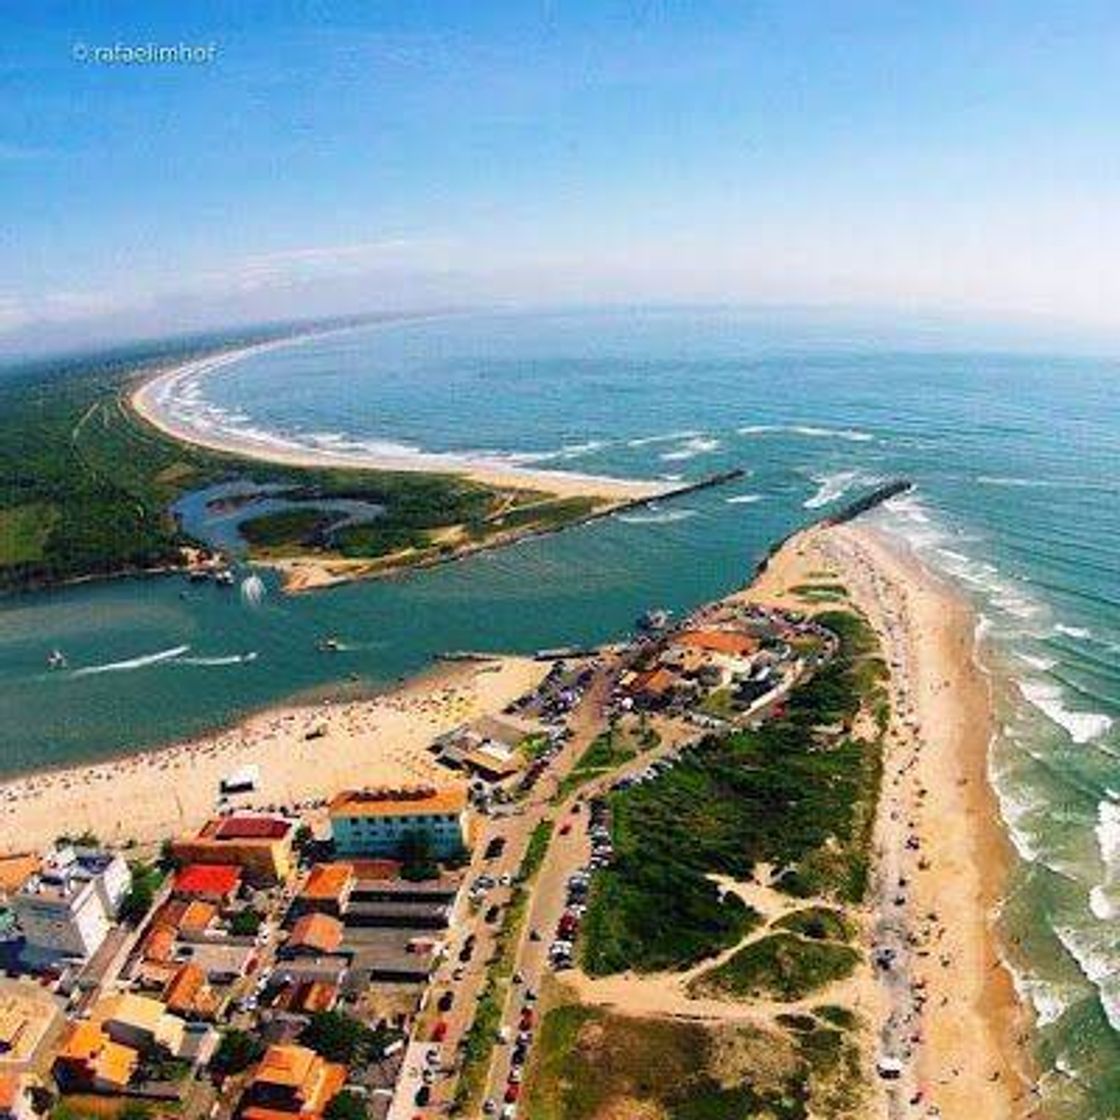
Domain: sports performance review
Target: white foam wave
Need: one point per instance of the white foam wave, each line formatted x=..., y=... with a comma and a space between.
x=1049, y=1000
x=232, y=659
x=133, y=662
x=1042, y=664
x=1048, y=698
x=744, y=499
x=1096, y=954
x=657, y=517
x=1082, y=633
x=831, y=487
x=698, y=445
x=666, y=437
x=851, y=435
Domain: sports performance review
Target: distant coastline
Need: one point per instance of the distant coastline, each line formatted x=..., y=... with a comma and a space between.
x=152, y=400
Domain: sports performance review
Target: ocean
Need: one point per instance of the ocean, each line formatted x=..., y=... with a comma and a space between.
x=1015, y=459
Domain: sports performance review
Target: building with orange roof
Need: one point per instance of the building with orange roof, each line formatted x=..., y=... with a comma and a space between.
x=653, y=688
x=140, y=1022
x=217, y=883
x=158, y=944
x=259, y=844
x=15, y=870
x=328, y=889
x=90, y=1060
x=375, y=822
x=197, y=918
x=307, y=997
x=189, y=995
x=15, y=1101
x=315, y=933
x=731, y=643
x=291, y=1081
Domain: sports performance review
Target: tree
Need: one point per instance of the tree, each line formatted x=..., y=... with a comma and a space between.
x=237, y=1051
x=141, y=894
x=415, y=854
x=339, y=1037
x=346, y=1106
x=245, y=923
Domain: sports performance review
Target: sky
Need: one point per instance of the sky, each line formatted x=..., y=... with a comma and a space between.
x=945, y=159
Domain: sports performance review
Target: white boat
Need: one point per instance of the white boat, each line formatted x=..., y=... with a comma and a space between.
x=56, y=659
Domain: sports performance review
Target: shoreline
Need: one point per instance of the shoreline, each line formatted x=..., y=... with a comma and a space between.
x=961, y=1015
x=149, y=399
x=149, y=795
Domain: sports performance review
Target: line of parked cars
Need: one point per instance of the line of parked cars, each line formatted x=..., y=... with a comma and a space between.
x=520, y=1040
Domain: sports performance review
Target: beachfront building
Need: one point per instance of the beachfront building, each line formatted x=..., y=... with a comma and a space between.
x=66, y=909
x=261, y=845
x=214, y=883
x=291, y=1080
x=379, y=822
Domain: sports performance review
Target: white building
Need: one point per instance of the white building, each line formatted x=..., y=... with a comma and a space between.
x=377, y=822
x=66, y=910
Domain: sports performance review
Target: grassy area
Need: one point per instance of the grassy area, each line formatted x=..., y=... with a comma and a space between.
x=779, y=966
x=818, y=923
x=782, y=794
x=85, y=485
x=612, y=749
x=590, y=1064
x=24, y=531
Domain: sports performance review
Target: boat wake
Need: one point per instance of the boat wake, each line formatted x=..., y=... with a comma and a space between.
x=133, y=662
x=232, y=659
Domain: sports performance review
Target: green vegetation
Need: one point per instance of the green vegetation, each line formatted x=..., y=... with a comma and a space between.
x=837, y=1016
x=339, y=1037
x=146, y=880
x=86, y=485
x=590, y=1064
x=612, y=749
x=346, y=1105
x=779, y=966
x=246, y=923
x=785, y=794
x=820, y=592
x=535, y=851
x=236, y=1052
x=818, y=923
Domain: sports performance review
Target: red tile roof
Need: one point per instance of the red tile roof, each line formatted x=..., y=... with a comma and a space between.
x=718, y=641
x=252, y=828
x=320, y=932
x=213, y=879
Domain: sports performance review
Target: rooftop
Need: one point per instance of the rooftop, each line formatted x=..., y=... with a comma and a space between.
x=327, y=881
x=718, y=641
x=319, y=932
x=240, y=827
x=207, y=879
x=389, y=802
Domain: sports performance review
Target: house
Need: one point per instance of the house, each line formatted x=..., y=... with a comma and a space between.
x=292, y=1080
x=15, y=870
x=261, y=845
x=67, y=907
x=376, y=822
x=188, y=994
x=327, y=890
x=306, y=997
x=89, y=1060
x=28, y=1016
x=652, y=689
x=730, y=643
x=140, y=1022
x=215, y=883
x=316, y=934
x=15, y=1101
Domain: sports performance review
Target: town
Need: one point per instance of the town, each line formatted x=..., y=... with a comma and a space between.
x=380, y=954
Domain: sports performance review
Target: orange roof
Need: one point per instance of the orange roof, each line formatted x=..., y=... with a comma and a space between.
x=159, y=944
x=83, y=1041
x=328, y=881
x=198, y=916
x=386, y=802
x=9, y=1091
x=184, y=987
x=15, y=870
x=316, y=931
x=718, y=641
x=116, y=1063
x=656, y=681
x=379, y=869
x=286, y=1065
x=213, y=879
x=316, y=996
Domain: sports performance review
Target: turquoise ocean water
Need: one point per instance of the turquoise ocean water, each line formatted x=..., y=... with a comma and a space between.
x=1016, y=462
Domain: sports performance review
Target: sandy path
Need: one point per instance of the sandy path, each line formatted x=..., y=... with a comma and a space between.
x=148, y=797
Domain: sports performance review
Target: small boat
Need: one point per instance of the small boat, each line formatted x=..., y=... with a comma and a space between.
x=654, y=620
x=56, y=659
x=224, y=577
x=328, y=645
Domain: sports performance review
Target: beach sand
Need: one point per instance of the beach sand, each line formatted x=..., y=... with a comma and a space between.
x=947, y=1005
x=152, y=796
x=152, y=400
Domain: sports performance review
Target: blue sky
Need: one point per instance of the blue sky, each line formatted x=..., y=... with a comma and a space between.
x=951, y=159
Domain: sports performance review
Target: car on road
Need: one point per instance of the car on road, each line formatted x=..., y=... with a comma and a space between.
x=495, y=848
x=445, y=1001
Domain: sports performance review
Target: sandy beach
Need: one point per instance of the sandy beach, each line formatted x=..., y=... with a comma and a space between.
x=153, y=400
x=151, y=796
x=947, y=1005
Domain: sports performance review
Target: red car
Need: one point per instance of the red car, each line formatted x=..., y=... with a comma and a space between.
x=512, y=1092
x=439, y=1031
x=526, y=1019
x=565, y=829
